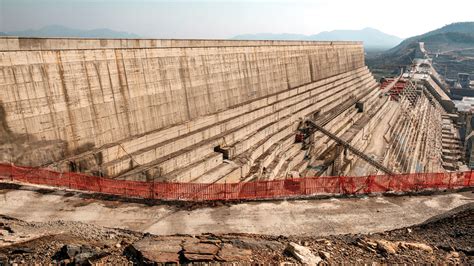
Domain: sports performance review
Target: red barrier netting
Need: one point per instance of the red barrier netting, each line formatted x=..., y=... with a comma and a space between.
x=283, y=188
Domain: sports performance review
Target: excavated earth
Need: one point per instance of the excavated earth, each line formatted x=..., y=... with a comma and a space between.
x=445, y=238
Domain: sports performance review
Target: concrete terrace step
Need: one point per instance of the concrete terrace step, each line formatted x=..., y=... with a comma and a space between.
x=224, y=135
x=225, y=172
x=366, y=123
x=351, y=131
x=301, y=166
x=195, y=170
x=174, y=145
x=274, y=167
x=265, y=130
x=303, y=116
x=254, y=166
x=248, y=158
x=298, y=159
x=338, y=124
x=346, y=94
x=288, y=164
x=114, y=151
x=188, y=154
x=262, y=133
x=270, y=154
x=164, y=165
x=348, y=102
x=241, y=145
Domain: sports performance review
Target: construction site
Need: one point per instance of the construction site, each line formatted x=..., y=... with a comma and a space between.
x=202, y=126
x=217, y=111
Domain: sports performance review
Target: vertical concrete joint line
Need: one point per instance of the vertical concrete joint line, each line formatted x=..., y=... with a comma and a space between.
x=122, y=89
x=183, y=82
x=66, y=99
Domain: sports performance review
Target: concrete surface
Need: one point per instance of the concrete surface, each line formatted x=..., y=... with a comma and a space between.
x=159, y=109
x=377, y=144
x=10, y=43
x=105, y=93
x=199, y=111
x=300, y=217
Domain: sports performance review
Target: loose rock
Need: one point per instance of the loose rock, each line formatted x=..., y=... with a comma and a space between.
x=303, y=254
x=413, y=245
x=386, y=247
x=325, y=255
x=149, y=250
x=230, y=253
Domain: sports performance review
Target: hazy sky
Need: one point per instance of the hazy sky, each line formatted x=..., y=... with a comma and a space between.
x=226, y=18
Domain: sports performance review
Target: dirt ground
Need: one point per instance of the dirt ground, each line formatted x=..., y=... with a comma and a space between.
x=310, y=217
x=446, y=238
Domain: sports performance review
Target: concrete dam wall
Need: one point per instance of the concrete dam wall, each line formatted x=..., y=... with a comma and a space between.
x=173, y=110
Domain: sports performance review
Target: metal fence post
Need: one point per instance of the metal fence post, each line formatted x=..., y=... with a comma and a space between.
x=99, y=183
x=11, y=171
x=450, y=177
x=153, y=189
x=342, y=187
x=266, y=189
x=469, y=180
x=225, y=190
x=304, y=187
x=255, y=189
x=68, y=179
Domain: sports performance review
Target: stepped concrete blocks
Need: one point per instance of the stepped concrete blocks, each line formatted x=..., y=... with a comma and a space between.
x=130, y=107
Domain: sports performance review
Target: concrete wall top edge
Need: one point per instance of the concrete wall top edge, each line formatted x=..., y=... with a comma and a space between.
x=11, y=43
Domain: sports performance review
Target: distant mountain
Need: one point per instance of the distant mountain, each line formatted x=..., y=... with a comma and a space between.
x=372, y=38
x=61, y=31
x=453, y=37
x=271, y=37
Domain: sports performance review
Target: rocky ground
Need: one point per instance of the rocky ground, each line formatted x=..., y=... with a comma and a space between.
x=448, y=238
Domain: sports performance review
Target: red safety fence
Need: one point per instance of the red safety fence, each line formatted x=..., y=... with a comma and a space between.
x=283, y=188
x=396, y=89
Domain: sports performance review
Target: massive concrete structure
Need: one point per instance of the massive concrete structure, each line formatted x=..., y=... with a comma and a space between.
x=184, y=110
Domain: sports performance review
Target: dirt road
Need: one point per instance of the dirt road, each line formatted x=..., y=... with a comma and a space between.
x=299, y=217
